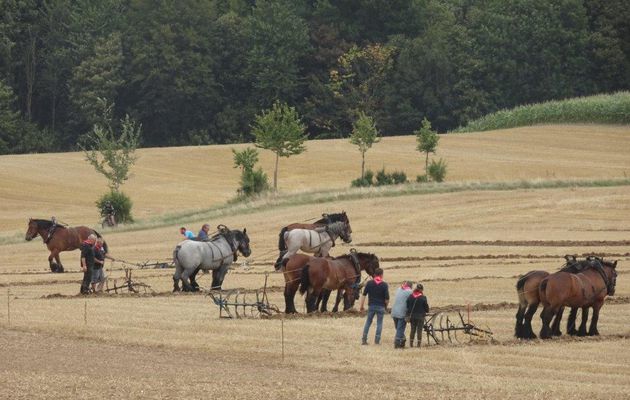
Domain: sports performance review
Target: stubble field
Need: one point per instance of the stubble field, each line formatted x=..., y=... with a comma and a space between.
x=467, y=248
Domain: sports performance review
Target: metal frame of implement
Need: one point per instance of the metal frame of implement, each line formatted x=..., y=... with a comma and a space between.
x=234, y=299
x=128, y=284
x=440, y=328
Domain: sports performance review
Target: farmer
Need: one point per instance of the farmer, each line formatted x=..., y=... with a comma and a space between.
x=203, y=232
x=399, y=313
x=98, y=273
x=87, y=262
x=417, y=308
x=378, y=294
x=187, y=234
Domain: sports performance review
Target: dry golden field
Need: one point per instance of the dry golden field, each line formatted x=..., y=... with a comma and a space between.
x=467, y=248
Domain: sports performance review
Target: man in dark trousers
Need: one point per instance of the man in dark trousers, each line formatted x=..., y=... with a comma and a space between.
x=417, y=309
x=378, y=294
x=87, y=262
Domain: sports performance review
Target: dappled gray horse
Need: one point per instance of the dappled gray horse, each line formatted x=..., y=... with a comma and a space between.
x=315, y=241
x=216, y=254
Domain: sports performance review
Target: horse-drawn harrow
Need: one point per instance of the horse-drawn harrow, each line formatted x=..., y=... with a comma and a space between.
x=232, y=301
x=128, y=285
x=442, y=327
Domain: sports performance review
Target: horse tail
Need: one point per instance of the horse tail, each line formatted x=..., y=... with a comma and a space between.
x=542, y=289
x=175, y=253
x=304, y=280
x=282, y=245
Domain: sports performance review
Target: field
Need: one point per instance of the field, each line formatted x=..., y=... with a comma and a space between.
x=467, y=248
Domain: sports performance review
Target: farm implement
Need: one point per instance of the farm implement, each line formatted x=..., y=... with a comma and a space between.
x=128, y=285
x=230, y=302
x=442, y=328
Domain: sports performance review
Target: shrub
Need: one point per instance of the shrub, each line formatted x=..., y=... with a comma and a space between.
x=422, y=179
x=437, y=170
x=399, y=177
x=365, y=181
x=253, y=182
x=121, y=203
x=382, y=178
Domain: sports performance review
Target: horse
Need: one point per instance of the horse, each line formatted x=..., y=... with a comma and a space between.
x=216, y=254
x=528, y=301
x=318, y=242
x=587, y=288
x=320, y=223
x=58, y=239
x=343, y=272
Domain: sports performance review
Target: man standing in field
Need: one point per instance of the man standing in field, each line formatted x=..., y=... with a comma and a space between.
x=417, y=308
x=378, y=293
x=399, y=312
x=87, y=262
x=203, y=233
x=98, y=274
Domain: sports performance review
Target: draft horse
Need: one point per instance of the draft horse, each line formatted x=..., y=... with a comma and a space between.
x=585, y=289
x=342, y=273
x=59, y=239
x=319, y=224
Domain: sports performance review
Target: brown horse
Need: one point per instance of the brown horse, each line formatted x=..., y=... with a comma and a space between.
x=528, y=300
x=585, y=289
x=59, y=239
x=340, y=273
x=320, y=223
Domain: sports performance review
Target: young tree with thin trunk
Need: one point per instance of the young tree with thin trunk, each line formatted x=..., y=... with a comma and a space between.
x=281, y=131
x=427, y=142
x=364, y=135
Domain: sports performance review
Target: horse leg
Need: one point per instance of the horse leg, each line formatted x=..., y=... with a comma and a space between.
x=593, y=329
x=176, y=277
x=59, y=265
x=221, y=272
x=311, y=299
x=555, y=327
x=571, y=322
x=289, y=302
x=215, y=280
x=193, y=281
x=520, y=320
x=51, y=264
x=323, y=299
x=337, y=301
x=185, y=282
x=546, y=316
x=347, y=299
x=582, y=330
x=527, y=331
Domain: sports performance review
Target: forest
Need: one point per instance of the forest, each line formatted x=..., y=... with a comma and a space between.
x=196, y=72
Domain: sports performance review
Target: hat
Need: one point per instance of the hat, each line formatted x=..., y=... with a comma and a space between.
x=419, y=287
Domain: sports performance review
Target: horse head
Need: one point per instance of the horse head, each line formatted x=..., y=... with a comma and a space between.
x=369, y=262
x=344, y=231
x=32, y=230
x=243, y=242
x=611, y=271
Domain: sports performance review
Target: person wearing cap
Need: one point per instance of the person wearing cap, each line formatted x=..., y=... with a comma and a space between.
x=378, y=293
x=417, y=308
x=203, y=232
x=87, y=262
x=399, y=312
x=187, y=234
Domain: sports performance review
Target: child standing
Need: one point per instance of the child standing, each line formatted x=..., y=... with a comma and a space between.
x=417, y=308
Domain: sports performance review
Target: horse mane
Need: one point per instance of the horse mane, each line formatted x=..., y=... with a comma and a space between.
x=331, y=218
x=45, y=223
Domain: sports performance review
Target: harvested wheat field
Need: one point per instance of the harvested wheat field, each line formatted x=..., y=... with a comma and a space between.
x=467, y=247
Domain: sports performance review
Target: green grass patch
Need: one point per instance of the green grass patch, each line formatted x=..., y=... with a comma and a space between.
x=600, y=109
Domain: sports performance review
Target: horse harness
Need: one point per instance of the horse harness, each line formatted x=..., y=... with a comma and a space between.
x=228, y=238
x=575, y=267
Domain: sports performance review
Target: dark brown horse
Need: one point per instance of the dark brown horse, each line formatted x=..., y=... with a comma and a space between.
x=340, y=273
x=58, y=239
x=528, y=301
x=320, y=223
x=587, y=288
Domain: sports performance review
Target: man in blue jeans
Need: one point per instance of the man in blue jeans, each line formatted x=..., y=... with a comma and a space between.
x=399, y=313
x=378, y=293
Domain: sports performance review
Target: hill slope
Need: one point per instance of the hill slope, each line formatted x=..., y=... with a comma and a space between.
x=187, y=178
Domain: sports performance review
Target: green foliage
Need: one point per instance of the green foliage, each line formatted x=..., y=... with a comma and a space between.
x=427, y=141
x=245, y=159
x=281, y=131
x=606, y=109
x=422, y=178
x=112, y=154
x=253, y=182
x=122, y=205
x=382, y=178
x=364, y=135
x=437, y=170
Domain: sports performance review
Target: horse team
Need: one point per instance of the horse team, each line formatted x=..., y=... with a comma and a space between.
x=580, y=284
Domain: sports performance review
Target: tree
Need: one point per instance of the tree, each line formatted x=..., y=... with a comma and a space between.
x=427, y=141
x=252, y=182
x=246, y=159
x=281, y=131
x=112, y=153
x=364, y=135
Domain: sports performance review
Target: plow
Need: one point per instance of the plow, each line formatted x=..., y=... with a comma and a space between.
x=443, y=328
x=237, y=304
x=128, y=285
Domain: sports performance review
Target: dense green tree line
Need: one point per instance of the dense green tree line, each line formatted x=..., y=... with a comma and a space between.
x=198, y=71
